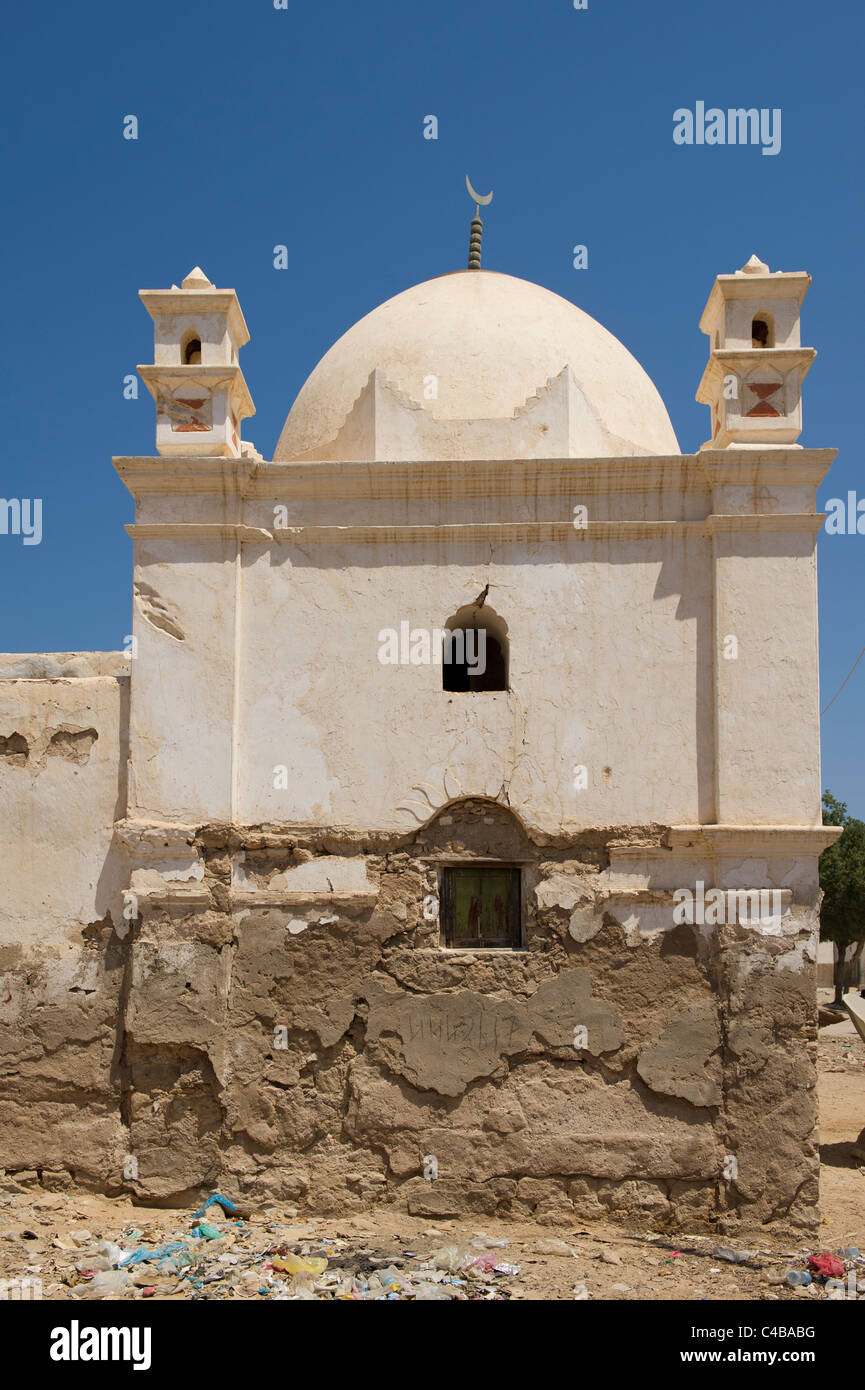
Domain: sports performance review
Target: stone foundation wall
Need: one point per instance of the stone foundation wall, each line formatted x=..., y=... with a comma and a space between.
x=281, y=1019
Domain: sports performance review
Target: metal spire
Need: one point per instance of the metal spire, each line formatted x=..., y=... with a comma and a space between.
x=480, y=200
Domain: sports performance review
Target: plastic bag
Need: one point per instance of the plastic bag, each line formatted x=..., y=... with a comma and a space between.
x=293, y=1264
x=447, y=1257
x=826, y=1265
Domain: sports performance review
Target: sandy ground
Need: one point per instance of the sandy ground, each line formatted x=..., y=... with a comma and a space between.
x=52, y=1236
x=842, y=1121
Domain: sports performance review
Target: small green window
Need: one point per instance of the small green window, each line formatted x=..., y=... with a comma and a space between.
x=481, y=908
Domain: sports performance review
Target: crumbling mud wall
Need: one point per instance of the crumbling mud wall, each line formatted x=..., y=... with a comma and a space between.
x=63, y=722
x=301, y=1033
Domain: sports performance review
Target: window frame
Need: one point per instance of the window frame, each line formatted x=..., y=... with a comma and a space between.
x=447, y=905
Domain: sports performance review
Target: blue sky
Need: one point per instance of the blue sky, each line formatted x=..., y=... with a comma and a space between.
x=304, y=126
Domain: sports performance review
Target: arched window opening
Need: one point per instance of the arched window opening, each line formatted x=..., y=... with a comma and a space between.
x=762, y=332
x=475, y=650
x=190, y=351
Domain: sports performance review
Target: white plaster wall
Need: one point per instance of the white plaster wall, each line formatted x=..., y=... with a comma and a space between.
x=181, y=705
x=603, y=672
x=616, y=644
x=768, y=727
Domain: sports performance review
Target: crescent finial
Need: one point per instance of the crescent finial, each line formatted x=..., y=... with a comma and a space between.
x=479, y=199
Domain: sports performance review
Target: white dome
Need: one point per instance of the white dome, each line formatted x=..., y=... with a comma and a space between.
x=489, y=342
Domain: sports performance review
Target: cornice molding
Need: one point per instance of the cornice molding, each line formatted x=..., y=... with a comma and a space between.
x=733, y=839
x=744, y=467
x=745, y=361
x=523, y=532
x=449, y=478
x=720, y=522
x=185, y=475
x=171, y=377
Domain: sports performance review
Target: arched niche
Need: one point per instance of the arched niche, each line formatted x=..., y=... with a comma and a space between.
x=475, y=655
x=190, y=348
x=763, y=330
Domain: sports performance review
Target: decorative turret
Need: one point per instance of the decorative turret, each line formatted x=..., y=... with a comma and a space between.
x=200, y=394
x=753, y=380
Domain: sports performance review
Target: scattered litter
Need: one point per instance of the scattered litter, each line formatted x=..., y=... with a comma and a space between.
x=111, y=1252
x=827, y=1266
x=206, y=1232
x=447, y=1257
x=110, y=1283
x=94, y=1264
x=217, y=1199
x=295, y=1264
x=135, y=1257
x=733, y=1257
x=552, y=1247
x=268, y=1253
x=174, y=1264
x=486, y=1261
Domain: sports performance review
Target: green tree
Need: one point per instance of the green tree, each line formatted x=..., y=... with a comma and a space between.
x=842, y=879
